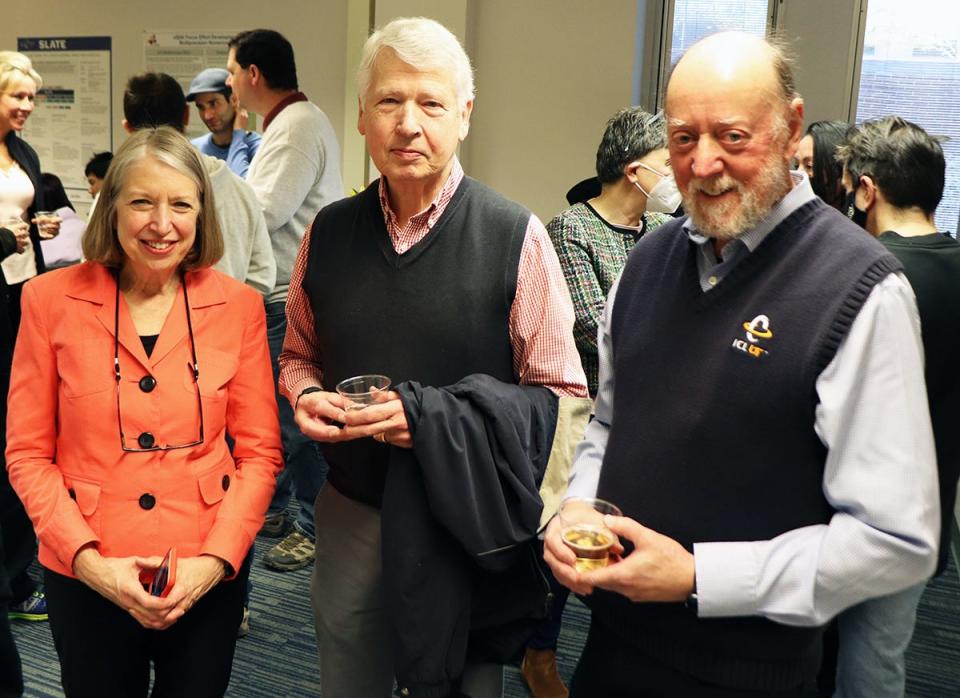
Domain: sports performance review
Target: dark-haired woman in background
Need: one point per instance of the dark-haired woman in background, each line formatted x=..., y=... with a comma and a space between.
x=816, y=156
x=63, y=250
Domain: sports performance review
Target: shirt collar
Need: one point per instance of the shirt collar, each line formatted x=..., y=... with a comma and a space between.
x=439, y=202
x=281, y=105
x=800, y=194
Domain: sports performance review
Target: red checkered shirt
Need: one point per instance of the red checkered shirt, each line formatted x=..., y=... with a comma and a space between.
x=540, y=323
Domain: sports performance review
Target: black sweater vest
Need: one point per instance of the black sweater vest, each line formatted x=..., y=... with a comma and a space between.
x=434, y=314
x=714, y=408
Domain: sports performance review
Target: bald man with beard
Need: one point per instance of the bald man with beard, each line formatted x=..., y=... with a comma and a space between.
x=761, y=418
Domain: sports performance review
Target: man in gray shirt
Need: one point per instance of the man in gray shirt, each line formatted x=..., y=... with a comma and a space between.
x=295, y=173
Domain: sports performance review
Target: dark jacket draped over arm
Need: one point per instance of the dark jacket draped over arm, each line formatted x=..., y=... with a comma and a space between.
x=460, y=515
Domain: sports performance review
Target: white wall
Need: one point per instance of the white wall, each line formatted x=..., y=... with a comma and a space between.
x=316, y=28
x=549, y=74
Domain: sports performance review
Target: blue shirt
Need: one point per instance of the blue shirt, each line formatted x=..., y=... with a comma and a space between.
x=238, y=155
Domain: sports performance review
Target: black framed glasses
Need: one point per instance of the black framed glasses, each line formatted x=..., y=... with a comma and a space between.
x=145, y=442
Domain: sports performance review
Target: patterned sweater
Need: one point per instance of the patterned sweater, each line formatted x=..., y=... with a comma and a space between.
x=592, y=253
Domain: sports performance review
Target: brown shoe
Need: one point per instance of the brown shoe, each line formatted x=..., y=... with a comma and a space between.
x=539, y=669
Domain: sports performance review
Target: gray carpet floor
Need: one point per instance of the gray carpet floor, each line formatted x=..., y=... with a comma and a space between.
x=279, y=658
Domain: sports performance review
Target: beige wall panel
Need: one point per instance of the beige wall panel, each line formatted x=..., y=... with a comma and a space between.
x=549, y=74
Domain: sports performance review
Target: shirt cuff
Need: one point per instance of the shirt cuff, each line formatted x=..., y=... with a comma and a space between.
x=727, y=576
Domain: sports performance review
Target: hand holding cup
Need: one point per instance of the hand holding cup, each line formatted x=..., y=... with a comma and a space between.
x=583, y=530
x=48, y=224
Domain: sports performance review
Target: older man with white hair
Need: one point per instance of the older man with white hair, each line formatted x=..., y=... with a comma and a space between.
x=761, y=419
x=433, y=279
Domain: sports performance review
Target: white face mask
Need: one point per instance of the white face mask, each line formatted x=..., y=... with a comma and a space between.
x=664, y=197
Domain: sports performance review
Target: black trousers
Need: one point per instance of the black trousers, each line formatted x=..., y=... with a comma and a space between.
x=103, y=651
x=611, y=668
x=11, y=678
x=19, y=540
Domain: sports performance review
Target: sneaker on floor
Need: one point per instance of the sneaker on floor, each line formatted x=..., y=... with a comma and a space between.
x=275, y=526
x=292, y=553
x=34, y=608
x=244, y=628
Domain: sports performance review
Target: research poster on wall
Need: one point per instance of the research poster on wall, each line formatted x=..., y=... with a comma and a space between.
x=73, y=116
x=183, y=54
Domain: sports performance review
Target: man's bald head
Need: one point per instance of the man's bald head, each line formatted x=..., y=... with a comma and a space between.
x=766, y=62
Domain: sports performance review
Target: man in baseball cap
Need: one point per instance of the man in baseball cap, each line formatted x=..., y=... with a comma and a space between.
x=229, y=138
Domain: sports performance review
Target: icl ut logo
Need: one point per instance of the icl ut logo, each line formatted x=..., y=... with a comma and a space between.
x=756, y=330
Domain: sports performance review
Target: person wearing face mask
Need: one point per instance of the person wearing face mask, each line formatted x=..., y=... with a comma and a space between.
x=593, y=238
x=894, y=172
x=816, y=156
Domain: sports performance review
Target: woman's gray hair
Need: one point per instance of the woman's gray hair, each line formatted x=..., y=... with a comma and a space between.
x=13, y=64
x=171, y=148
x=631, y=134
x=426, y=45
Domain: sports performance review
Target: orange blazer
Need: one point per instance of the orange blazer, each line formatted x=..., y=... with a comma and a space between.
x=63, y=444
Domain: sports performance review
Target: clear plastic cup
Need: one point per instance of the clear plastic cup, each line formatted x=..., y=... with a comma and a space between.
x=361, y=391
x=47, y=224
x=584, y=532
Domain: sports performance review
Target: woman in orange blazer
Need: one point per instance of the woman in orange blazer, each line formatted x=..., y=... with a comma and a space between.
x=129, y=370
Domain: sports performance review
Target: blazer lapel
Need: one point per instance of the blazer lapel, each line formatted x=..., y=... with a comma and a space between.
x=203, y=290
x=100, y=288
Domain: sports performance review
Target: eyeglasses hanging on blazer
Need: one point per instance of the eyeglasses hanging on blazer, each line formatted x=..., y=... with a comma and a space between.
x=146, y=440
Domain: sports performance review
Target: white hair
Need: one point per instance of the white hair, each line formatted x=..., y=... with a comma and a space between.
x=14, y=64
x=424, y=44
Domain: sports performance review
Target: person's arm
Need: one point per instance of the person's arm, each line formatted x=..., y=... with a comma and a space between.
x=588, y=458
x=317, y=412
x=252, y=422
x=262, y=267
x=573, y=250
x=880, y=476
x=541, y=320
x=32, y=437
x=241, y=151
x=284, y=177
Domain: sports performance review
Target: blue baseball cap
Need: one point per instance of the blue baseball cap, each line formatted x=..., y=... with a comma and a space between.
x=209, y=80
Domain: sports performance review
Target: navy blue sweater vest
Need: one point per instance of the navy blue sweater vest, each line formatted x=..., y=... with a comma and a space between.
x=713, y=431
x=434, y=314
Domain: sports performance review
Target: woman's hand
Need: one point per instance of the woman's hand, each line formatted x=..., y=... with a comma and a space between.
x=118, y=580
x=195, y=577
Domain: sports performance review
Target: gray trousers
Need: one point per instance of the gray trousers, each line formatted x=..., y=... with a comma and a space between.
x=345, y=589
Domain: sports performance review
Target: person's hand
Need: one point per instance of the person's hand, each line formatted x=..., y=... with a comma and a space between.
x=385, y=421
x=20, y=230
x=117, y=579
x=241, y=117
x=562, y=560
x=658, y=569
x=319, y=416
x=195, y=577
x=22, y=233
x=48, y=226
